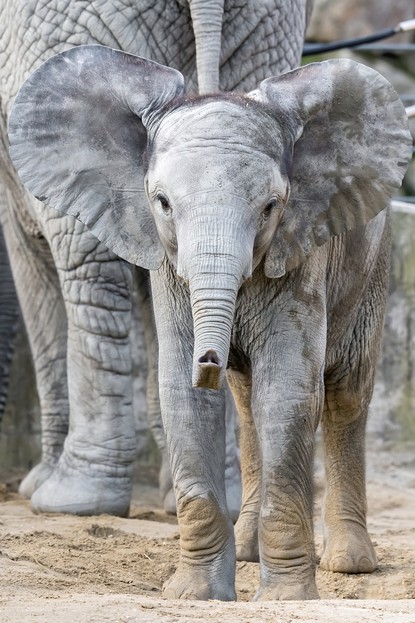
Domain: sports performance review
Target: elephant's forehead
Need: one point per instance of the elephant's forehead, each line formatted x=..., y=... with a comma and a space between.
x=223, y=123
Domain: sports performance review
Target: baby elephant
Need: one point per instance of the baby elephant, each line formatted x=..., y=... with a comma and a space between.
x=266, y=232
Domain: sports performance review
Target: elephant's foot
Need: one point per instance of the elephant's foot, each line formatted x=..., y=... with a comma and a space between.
x=200, y=582
x=246, y=537
x=349, y=550
x=282, y=590
x=233, y=488
x=36, y=477
x=69, y=490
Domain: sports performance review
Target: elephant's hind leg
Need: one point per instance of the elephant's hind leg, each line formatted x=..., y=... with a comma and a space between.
x=349, y=388
x=233, y=484
x=349, y=381
x=246, y=528
x=347, y=545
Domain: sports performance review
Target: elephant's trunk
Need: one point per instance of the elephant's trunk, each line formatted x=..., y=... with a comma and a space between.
x=207, y=18
x=213, y=297
x=215, y=245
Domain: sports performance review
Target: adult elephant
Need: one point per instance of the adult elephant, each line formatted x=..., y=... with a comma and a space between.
x=75, y=294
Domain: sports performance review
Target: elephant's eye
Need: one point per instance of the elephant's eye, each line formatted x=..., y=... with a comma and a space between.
x=270, y=206
x=164, y=202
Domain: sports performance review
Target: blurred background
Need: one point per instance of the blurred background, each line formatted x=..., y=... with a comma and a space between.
x=392, y=417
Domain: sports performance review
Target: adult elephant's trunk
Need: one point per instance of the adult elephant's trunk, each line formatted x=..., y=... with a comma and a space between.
x=207, y=18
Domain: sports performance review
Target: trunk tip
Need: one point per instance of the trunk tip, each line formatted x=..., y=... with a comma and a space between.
x=209, y=370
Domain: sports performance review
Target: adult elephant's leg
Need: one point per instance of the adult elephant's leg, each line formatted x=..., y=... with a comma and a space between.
x=43, y=311
x=246, y=528
x=9, y=320
x=194, y=423
x=94, y=472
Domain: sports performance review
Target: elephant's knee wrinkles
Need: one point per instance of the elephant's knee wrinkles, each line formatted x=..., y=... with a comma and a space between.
x=97, y=292
x=343, y=406
x=100, y=321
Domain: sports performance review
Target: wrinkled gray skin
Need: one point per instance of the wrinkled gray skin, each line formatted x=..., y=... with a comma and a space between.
x=75, y=294
x=267, y=237
x=9, y=319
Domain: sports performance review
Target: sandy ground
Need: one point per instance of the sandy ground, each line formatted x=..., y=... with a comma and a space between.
x=60, y=568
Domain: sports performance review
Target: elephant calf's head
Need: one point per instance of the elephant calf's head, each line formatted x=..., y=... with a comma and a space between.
x=229, y=178
x=217, y=183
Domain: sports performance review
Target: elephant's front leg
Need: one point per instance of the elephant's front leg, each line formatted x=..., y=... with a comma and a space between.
x=94, y=471
x=194, y=423
x=43, y=310
x=287, y=397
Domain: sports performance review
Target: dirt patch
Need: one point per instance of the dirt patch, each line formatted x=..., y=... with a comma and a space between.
x=119, y=565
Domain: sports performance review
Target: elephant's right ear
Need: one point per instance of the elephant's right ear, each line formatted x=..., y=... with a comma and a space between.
x=77, y=138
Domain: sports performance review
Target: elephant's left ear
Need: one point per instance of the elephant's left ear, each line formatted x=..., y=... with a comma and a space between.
x=348, y=134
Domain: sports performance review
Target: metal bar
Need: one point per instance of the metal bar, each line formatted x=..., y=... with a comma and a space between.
x=316, y=48
x=387, y=48
x=410, y=111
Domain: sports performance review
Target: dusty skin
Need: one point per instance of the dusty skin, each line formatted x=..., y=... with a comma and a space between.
x=98, y=569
